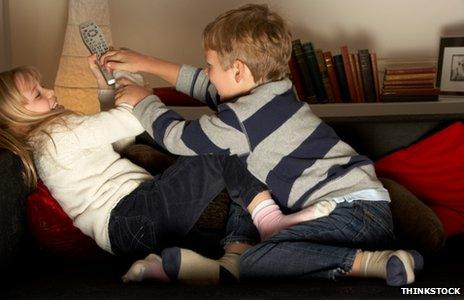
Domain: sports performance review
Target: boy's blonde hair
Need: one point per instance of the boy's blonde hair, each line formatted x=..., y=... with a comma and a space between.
x=254, y=35
x=17, y=124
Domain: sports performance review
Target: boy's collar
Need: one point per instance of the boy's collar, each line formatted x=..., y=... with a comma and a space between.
x=276, y=87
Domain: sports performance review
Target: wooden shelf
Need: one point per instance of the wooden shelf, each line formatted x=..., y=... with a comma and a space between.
x=455, y=106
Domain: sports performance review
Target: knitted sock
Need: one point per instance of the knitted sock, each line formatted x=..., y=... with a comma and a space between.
x=150, y=268
x=269, y=219
x=397, y=267
x=197, y=269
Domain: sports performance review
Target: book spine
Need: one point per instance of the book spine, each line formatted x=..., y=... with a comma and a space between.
x=339, y=67
x=432, y=91
x=410, y=71
x=366, y=74
x=402, y=87
x=332, y=76
x=409, y=82
x=304, y=71
x=314, y=72
x=419, y=76
x=355, y=79
x=324, y=75
x=375, y=74
x=359, y=81
x=348, y=72
x=296, y=78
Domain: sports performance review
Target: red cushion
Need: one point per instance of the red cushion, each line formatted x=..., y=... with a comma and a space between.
x=171, y=97
x=54, y=230
x=433, y=169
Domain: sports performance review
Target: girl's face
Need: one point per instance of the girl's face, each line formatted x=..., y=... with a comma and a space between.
x=38, y=98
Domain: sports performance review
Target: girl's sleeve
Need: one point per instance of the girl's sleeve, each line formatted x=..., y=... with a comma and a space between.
x=194, y=82
x=221, y=133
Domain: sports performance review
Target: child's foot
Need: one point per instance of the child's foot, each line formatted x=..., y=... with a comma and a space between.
x=192, y=268
x=150, y=268
x=396, y=267
x=269, y=219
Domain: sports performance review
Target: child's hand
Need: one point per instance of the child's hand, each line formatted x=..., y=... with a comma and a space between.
x=123, y=59
x=101, y=82
x=129, y=92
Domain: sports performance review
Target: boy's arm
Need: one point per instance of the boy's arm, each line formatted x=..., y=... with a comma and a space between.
x=220, y=133
x=194, y=82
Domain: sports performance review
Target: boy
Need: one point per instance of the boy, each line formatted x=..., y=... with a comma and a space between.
x=283, y=144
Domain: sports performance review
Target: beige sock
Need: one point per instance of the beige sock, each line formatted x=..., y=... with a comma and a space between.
x=374, y=264
x=197, y=269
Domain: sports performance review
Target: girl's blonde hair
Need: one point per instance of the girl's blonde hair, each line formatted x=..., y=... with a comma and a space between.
x=17, y=124
x=255, y=35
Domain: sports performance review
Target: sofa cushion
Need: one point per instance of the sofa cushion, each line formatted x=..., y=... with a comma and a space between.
x=433, y=170
x=416, y=226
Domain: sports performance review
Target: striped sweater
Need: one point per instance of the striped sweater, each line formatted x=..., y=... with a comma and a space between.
x=299, y=157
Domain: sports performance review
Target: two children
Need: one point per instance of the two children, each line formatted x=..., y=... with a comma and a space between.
x=283, y=144
x=120, y=205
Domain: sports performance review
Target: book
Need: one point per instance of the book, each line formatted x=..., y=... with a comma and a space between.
x=367, y=76
x=339, y=67
x=396, y=71
x=409, y=82
x=357, y=96
x=297, y=49
x=375, y=74
x=296, y=78
x=332, y=76
x=402, y=87
x=348, y=72
x=324, y=75
x=359, y=81
x=418, y=76
x=417, y=92
x=314, y=72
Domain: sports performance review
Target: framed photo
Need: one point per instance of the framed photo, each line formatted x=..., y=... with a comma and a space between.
x=450, y=75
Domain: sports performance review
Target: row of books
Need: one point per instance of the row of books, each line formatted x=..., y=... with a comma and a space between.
x=320, y=77
x=410, y=84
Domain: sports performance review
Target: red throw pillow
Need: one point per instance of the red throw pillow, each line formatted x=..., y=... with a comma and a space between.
x=54, y=230
x=171, y=97
x=433, y=170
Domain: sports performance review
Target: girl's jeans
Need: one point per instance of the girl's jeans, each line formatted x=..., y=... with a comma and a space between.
x=159, y=213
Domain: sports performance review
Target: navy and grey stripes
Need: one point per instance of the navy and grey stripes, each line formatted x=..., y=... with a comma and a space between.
x=284, y=144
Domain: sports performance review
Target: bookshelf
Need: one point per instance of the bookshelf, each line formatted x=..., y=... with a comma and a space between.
x=454, y=106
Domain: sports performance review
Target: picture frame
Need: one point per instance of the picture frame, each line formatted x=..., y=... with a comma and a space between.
x=450, y=73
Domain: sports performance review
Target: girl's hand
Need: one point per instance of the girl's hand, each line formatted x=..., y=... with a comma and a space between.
x=130, y=93
x=123, y=59
x=101, y=82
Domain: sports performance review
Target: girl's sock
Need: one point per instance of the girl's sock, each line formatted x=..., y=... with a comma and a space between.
x=192, y=268
x=397, y=267
x=150, y=268
x=269, y=219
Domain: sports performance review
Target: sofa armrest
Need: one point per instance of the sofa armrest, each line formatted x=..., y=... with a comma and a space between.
x=13, y=194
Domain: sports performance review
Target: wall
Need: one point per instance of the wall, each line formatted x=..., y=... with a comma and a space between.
x=172, y=29
x=5, y=59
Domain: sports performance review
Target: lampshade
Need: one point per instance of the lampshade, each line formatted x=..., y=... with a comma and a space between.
x=75, y=86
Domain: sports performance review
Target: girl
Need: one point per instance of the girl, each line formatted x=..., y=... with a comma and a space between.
x=115, y=202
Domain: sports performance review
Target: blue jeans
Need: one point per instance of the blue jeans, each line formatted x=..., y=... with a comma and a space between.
x=322, y=248
x=160, y=212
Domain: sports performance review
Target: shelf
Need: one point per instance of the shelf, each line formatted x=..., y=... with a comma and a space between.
x=455, y=106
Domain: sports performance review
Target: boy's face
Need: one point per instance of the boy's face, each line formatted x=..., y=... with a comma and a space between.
x=224, y=80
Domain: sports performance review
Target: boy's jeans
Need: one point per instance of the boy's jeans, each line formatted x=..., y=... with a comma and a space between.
x=324, y=247
x=159, y=213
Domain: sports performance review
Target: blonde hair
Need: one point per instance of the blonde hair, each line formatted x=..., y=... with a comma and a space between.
x=17, y=124
x=254, y=35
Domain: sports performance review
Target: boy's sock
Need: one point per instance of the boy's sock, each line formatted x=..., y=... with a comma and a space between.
x=397, y=267
x=194, y=268
x=150, y=268
x=269, y=219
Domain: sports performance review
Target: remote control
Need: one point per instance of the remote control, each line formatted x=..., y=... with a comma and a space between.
x=95, y=40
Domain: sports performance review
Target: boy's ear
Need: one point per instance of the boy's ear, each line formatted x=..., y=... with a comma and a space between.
x=240, y=69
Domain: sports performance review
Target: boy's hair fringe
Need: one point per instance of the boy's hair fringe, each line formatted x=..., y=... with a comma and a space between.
x=19, y=125
x=255, y=35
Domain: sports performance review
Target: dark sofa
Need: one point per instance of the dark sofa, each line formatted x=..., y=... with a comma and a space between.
x=31, y=273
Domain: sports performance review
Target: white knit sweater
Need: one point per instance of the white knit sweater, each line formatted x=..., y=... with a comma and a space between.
x=83, y=171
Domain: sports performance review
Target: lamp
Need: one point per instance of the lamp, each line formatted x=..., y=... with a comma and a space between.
x=75, y=86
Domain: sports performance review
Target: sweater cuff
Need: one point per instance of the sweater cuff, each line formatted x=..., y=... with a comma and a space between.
x=106, y=99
